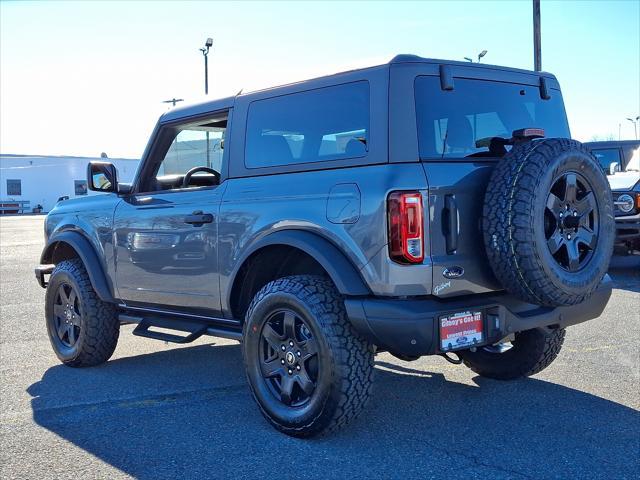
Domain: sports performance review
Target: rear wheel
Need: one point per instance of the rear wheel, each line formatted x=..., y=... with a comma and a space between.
x=308, y=370
x=529, y=353
x=83, y=329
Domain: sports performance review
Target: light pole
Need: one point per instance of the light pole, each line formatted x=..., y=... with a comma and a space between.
x=480, y=55
x=635, y=125
x=205, y=52
x=537, y=37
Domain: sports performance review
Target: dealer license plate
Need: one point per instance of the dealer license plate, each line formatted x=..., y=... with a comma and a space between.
x=461, y=330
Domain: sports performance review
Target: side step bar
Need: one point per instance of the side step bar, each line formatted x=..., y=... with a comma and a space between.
x=194, y=329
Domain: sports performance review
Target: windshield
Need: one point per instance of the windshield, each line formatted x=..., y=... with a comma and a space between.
x=451, y=122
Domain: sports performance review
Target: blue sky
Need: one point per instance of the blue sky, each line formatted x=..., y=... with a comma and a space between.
x=80, y=78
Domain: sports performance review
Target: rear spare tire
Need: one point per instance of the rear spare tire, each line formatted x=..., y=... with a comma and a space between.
x=548, y=222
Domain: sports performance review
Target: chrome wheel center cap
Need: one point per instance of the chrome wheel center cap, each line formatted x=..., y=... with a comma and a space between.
x=291, y=358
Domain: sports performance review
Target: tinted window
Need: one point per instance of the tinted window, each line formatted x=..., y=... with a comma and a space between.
x=451, y=122
x=606, y=157
x=80, y=187
x=325, y=124
x=14, y=187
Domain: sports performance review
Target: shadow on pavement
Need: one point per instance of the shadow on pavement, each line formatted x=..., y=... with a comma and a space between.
x=187, y=413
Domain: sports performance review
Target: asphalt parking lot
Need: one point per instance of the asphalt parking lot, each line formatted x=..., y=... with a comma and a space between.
x=164, y=411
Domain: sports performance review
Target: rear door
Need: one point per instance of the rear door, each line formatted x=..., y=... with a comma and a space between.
x=454, y=108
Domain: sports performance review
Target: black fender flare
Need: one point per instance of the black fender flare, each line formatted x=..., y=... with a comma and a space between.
x=341, y=270
x=87, y=254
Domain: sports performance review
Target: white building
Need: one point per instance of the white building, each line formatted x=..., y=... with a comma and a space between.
x=42, y=180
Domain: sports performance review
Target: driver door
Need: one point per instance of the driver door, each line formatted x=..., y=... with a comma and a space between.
x=166, y=232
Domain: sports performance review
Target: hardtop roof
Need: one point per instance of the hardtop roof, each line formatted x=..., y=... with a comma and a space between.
x=201, y=108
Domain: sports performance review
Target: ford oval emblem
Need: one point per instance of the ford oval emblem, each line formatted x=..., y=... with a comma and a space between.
x=453, y=272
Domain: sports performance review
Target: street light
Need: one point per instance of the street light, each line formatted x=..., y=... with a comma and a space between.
x=635, y=125
x=480, y=55
x=205, y=51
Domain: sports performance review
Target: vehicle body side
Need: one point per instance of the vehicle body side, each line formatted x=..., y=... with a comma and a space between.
x=341, y=202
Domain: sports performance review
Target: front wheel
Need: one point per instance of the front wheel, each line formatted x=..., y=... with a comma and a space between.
x=530, y=352
x=307, y=368
x=83, y=329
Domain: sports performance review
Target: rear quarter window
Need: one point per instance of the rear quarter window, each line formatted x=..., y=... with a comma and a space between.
x=450, y=122
x=318, y=125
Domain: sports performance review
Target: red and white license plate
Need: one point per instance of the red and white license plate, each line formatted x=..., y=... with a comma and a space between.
x=461, y=330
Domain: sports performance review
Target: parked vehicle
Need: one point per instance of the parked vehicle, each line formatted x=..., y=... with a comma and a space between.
x=421, y=207
x=623, y=158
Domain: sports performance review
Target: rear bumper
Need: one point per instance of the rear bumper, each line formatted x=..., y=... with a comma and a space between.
x=410, y=327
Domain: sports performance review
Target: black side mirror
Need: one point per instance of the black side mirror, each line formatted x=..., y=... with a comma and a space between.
x=102, y=177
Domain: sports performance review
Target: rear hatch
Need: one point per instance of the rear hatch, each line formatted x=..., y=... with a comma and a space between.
x=455, y=107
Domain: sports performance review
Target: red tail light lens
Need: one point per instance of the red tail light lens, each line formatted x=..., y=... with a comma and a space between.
x=406, y=227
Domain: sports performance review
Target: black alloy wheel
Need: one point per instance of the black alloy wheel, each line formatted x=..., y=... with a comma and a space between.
x=571, y=221
x=67, y=315
x=82, y=328
x=309, y=371
x=289, y=358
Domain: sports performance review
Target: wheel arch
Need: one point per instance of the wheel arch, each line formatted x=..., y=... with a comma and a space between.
x=319, y=253
x=70, y=244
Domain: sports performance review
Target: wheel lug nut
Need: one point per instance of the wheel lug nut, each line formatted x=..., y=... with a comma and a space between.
x=575, y=214
x=290, y=372
x=283, y=348
x=282, y=361
x=560, y=214
x=291, y=343
x=569, y=236
x=297, y=367
x=299, y=354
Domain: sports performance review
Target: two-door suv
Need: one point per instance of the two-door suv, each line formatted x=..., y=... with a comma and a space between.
x=421, y=207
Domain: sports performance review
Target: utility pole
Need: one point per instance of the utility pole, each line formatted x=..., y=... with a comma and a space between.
x=173, y=101
x=205, y=52
x=537, y=41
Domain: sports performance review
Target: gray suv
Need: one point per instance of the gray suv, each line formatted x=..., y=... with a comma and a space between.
x=420, y=207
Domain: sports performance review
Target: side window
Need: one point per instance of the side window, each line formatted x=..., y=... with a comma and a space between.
x=80, y=187
x=197, y=144
x=329, y=123
x=607, y=156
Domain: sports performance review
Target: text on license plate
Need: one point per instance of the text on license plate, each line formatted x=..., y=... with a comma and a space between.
x=460, y=330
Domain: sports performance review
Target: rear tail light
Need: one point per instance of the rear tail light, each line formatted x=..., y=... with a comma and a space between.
x=406, y=227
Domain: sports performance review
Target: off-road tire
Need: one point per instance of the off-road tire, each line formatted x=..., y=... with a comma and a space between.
x=346, y=360
x=515, y=219
x=99, y=328
x=532, y=351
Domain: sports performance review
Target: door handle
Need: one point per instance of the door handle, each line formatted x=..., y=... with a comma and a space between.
x=198, y=218
x=451, y=223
